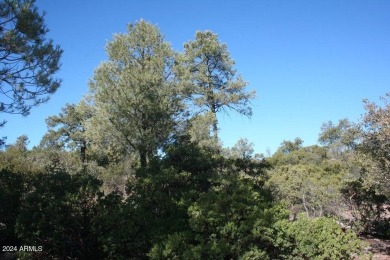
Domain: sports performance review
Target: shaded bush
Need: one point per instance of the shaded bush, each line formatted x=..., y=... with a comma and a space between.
x=11, y=190
x=56, y=213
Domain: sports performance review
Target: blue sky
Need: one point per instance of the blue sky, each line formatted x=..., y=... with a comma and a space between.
x=309, y=61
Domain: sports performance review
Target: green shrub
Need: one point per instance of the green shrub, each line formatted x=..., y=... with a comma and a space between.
x=320, y=238
x=56, y=214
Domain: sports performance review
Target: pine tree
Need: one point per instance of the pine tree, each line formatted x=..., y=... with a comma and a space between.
x=210, y=80
x=134, y=91
x=27, y=59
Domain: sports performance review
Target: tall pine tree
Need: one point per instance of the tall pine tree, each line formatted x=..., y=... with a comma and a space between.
x=210, y=79
x=134, y=91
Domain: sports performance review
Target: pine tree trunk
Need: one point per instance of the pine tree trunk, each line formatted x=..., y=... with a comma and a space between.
x=143, y=160
x=83, y=149
x=215, y=122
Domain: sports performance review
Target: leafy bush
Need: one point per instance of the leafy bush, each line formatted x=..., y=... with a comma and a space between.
x=56, y=213
x=320, y=238
x=11, y=190
x=232, y=220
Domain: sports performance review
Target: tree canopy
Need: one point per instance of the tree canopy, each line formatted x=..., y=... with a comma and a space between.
x=211, y=81
x=134, y=91
x=28, y=60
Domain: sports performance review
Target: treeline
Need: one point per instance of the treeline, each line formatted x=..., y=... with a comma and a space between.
x=136, y=170
x=189, y=204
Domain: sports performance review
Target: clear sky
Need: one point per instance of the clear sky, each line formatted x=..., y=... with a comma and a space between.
x=309, y=61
